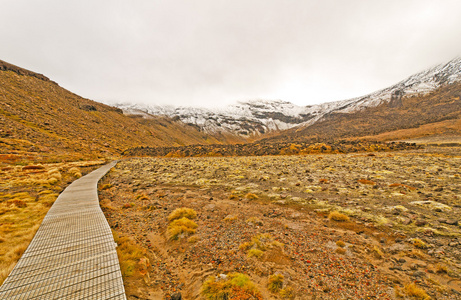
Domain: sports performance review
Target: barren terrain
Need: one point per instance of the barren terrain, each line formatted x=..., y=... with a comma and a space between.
x=334, y=226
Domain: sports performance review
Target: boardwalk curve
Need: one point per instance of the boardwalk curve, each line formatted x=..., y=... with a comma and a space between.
x=73, y=254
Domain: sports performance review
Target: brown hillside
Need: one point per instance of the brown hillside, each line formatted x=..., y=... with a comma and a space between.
x=438, y=113
x=39, y=118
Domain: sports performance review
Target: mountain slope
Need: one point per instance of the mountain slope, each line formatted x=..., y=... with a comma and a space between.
x=39, y=118
x=257, y=118
x=436, y=113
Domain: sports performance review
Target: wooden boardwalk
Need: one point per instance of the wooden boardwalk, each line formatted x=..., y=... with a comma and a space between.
x=72, y=255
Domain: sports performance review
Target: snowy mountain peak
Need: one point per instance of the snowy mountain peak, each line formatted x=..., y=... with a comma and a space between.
x=257, y=117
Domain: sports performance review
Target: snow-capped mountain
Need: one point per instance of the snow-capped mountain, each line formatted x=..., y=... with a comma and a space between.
x=254, y=118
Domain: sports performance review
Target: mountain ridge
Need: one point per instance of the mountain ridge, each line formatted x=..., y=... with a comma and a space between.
x=254, y=119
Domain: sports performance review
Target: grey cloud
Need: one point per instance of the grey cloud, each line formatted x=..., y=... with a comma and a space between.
x=213, y=52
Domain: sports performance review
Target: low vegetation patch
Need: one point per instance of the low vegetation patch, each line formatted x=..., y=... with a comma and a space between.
x=259, y=244
x=182, y=212
x=338, y=217
x=416, y=292
x=230, y=286
x=181, y=224
x=181, y=228
x=129, y=255
x=275, y=283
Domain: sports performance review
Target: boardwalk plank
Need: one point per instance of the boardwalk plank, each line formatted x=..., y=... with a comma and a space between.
x=73, y=254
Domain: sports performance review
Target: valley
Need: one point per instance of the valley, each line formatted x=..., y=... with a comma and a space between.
x=377, y=225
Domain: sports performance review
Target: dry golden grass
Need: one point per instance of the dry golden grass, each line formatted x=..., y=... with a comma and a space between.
x=255, y=253
x=340, y=244
x=337, y=216
x=180, y=227
x=234, y=286
x=251, y=196
x=74, y=171
x=130, y=255
x=182, y=212
x=275, y=283
x=416, y=292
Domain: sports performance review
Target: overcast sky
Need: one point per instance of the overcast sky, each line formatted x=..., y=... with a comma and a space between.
x=215, y=52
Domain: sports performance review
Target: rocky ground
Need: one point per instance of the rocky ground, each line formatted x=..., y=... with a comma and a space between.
x=404, y=209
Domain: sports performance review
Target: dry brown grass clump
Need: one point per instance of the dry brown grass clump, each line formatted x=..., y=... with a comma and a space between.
x=181, y=227
x=251, y=196
x=275, y=283
x=337, y=216
x=181, y=224
x=340, y=244
x=75, y=172
x=182, y=212
x=416, y=292
x=230, y=286
x=130, y=256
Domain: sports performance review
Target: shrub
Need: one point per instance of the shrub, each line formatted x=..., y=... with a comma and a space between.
x=275, y=283
x=182, y=226
x=337, y=216
x=182, y=212
x=234, y=286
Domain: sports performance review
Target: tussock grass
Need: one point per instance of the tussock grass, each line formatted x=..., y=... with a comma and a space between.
x=181, y=227
x=129, y=255
x=416, y=292
x=232, y=286
x=251, y=196
x=75, y=172
x=182, y=212
x=338, y=217
x=340, y=244
x=255, y=253
x=275, y=283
